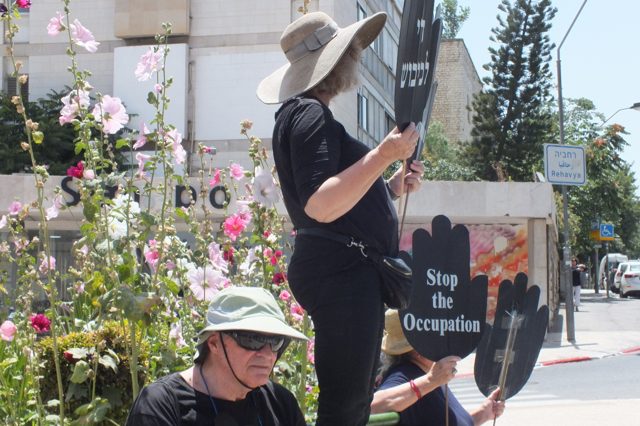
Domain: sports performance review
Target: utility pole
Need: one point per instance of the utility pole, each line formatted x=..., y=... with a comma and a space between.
x=566, y=249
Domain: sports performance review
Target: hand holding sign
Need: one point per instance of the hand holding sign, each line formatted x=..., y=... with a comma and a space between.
x=509, y=350
x=448, y=309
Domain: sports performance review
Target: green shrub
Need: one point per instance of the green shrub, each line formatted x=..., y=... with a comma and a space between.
x=77, y=352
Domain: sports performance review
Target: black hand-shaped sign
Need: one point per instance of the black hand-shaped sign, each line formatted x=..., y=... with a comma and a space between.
x=447, y=313
x=509, y=350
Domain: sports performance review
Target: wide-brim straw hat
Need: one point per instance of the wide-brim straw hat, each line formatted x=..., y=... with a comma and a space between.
x=393, y=341
x=313, y=45
x=248, y=309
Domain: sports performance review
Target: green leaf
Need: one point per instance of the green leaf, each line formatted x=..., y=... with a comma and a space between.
x=171, y=285
x=108, y=361
x=80, y=372
x=90, y=211
x=91, y=413
x=121, y=143
x=152, y=98
x=80, y=146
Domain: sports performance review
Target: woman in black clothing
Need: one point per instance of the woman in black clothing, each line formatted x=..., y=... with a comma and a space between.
x=331, y=182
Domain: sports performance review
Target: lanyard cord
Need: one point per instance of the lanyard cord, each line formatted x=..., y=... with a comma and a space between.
x=206, y=386
x=213, y=403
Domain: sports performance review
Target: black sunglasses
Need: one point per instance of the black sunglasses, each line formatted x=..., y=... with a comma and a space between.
x=252, y=341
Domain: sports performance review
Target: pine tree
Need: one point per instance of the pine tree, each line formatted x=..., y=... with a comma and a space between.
x=513, y=116
x=453, y=16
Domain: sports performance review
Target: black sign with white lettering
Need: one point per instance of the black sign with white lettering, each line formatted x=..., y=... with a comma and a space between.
x=509, y=349
x=447, y=312
x=416, y=65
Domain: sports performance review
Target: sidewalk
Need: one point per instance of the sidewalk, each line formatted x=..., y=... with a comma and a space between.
x=595, y=336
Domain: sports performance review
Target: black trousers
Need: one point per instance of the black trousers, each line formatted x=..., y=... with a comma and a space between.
x=340, y=290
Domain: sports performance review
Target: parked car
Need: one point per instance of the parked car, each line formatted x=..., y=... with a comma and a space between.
x=630, y=281
x=614, y=259
x=622, y=268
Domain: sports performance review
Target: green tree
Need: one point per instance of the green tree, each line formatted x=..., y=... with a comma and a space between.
x=609, y=194
x=57, y=149
x=453, y=16
x=442, y=157
x=513, y=116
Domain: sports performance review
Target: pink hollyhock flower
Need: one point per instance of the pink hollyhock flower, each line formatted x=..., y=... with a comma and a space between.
x=72, y=104
x=142, y=136
x=215, y=179
x=15, y=208
x=8, y=331
x=3, y=221
x=25, y=4
x=311, y=344
x=79, y=287
x=175, y=138
x=56, y=24
x=236, y=171
x=297, y=312
x=176, y=334
x=88, y=174
x=149, y=63
x=216, y=257
x=285, y=296
x=206, y=282
x=47, y=264
x=76, y=171
x=83, y=37
x=54, y=210
x=111, y=113
x=20, y=244
x=151, y=254
x=40, y=323
x=234, y=225
x=279, y=278
x=141, y=159
x=228, y=255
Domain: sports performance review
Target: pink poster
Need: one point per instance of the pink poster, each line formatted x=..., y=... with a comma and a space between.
x=499, y=251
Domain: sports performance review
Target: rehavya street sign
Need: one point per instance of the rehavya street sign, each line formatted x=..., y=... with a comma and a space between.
x=564, y=164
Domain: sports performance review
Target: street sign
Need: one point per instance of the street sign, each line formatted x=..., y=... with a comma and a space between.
x=594, y=233
x=564, y=164
x=606, y=232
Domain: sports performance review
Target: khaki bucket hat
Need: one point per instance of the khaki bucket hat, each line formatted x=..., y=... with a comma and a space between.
x=248, y=309
x=393, y=341
x=313, y=45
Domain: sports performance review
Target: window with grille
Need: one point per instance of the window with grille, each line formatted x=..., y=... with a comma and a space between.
x=12, y=88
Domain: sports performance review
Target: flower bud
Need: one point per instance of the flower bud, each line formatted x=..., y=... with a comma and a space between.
x=23, y=79
x=24, y=146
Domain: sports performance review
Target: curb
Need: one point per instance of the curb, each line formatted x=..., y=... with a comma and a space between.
x=566, y=360
x=630, y=350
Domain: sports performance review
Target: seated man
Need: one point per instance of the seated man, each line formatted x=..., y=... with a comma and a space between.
x=229, y=384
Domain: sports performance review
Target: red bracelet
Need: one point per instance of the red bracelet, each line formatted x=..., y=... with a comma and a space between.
x=415, y=389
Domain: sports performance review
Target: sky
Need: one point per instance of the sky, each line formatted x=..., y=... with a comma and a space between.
x=600, y=58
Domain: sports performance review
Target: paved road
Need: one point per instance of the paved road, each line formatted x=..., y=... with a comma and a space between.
x=602, y=389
